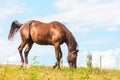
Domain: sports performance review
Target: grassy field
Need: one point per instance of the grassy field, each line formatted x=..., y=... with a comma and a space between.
x=14, y=72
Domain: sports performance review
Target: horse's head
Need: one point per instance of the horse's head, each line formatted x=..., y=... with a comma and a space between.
x=72, y=59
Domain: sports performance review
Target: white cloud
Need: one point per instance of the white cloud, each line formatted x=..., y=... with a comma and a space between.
x=9, y=7
x=87, y=15
x=109, y=58
x=14, y=59
x=7, y=49
x=112, y=29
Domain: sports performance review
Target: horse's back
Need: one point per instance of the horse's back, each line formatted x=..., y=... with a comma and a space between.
x=44, y=33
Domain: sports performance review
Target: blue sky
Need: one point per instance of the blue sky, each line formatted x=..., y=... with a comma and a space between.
x=95, y=25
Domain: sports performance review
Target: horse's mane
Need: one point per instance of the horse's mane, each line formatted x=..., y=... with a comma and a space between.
x=72, y=44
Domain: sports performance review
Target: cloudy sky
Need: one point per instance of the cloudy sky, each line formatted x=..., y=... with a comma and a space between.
x=94, y=23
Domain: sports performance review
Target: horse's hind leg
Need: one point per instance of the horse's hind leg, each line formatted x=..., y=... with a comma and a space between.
x=28, y=47
x=20, y=48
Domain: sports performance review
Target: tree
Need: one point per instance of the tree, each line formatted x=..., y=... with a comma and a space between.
x=89, y=60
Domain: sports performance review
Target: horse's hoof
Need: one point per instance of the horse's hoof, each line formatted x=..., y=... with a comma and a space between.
x=27, y=66
x=54, y=66
x=21, y=67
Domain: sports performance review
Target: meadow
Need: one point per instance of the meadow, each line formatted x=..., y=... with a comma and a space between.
x=14, y=72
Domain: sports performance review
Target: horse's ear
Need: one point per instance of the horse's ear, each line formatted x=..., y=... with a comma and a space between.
x=77, y=50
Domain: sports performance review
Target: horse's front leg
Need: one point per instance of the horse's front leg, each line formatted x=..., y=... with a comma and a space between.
x=58, y=56
x=20, y=48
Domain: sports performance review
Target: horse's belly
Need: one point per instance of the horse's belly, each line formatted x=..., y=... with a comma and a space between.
x=41, y=39
x=43, y=42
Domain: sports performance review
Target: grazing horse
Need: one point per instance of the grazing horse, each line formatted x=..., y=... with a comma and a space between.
x=54, y=33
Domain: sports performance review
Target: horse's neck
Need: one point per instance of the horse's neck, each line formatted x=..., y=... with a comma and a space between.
x=70, y=40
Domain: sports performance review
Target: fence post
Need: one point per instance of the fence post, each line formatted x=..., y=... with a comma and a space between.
x=100, y=63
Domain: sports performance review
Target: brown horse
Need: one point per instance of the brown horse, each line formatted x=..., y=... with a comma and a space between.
x=53, y=33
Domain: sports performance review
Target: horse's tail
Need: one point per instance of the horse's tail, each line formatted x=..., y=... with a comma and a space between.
x=15, y=26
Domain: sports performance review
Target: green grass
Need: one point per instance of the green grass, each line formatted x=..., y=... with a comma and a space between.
x=14, y=72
